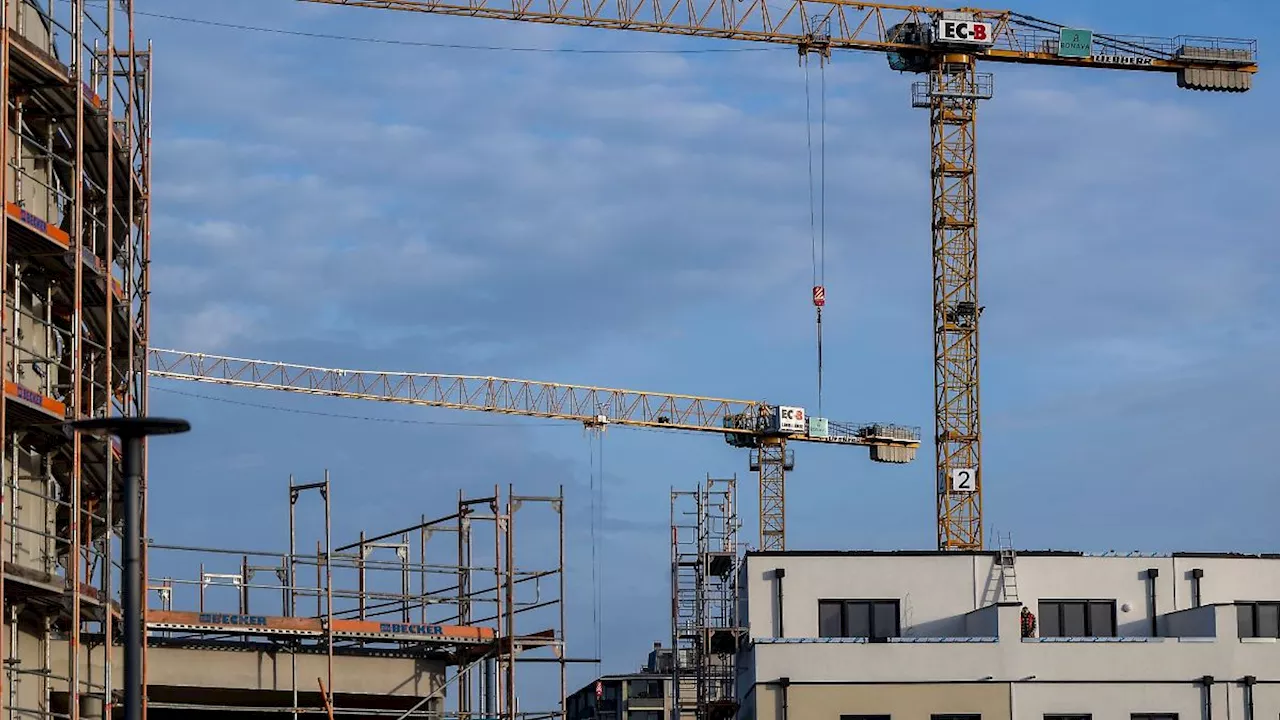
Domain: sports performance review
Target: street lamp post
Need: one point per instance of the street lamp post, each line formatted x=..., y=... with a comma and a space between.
x=131, y=431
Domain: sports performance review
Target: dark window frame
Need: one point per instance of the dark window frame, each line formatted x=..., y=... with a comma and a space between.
x=654, y=689
x=1153, y=716
x=1251, y=607
x=865, y=717
x=1058, y=605
x=870, y=604
x=954, y=716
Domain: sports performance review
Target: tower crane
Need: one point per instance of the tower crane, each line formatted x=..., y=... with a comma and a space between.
x=944, y=46
x=762, y=428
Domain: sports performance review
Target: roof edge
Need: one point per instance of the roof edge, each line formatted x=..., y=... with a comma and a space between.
x=1026, y=553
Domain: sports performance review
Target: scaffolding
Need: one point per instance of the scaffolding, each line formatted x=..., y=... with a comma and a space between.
x=444, y=591
x=73, y=244
x=705, y=629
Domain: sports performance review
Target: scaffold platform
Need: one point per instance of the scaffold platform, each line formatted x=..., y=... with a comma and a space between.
x=369, y=630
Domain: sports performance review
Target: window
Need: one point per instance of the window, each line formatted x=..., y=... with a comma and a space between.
x=858, y=618
x=1258, y=619
x=644, y=689
x=973, y=716
x=1077, y=618
x=644, y=715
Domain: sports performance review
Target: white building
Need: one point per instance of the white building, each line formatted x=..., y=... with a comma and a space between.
x=939, y=636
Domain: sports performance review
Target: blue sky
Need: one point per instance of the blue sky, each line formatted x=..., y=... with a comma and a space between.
x=641, y=221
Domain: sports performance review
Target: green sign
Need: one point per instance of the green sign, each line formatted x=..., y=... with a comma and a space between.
x=818, y=427
x=1075, y=43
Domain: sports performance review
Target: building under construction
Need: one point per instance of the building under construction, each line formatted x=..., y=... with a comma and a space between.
x=999, y=634
x=705, y=630
x=428, y=620
x=74, y=243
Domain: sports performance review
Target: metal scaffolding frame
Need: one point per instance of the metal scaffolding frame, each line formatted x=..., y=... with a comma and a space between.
x=384, y=581
x=706, y=631
x=73, y=244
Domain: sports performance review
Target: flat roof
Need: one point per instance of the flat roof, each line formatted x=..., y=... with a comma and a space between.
x=1024, y=553
x=619, y=677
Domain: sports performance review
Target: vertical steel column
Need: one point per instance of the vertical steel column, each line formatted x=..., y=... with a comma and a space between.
x=422, y=570
x=954, y=91
x=464, y=591
x=498, y=525
x=328, y=586
x=5, y=655
x=109, y=210
x=406, y=578
x=360, y=579
x=512, y=506
x=144, y=270
x=290, y=571
x=675, y=609
x=564, y=689
x=76, y=231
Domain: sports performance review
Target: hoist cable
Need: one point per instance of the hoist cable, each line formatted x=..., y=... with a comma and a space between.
x=822, y=215
x=808, y=130
x=818, y=216
x=600, y=582
x=595, y=578
x=822, y=207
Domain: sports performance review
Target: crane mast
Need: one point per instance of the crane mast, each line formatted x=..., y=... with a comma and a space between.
x=763, y=428
x=944, y=46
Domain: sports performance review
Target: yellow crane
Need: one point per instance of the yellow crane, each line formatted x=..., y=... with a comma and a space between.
x=763, y=428
x=944, y=46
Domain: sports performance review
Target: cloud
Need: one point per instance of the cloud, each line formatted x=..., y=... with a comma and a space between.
x=214, y=327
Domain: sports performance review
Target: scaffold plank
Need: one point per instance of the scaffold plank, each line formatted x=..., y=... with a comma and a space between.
x=39, y=226
x=248, y=624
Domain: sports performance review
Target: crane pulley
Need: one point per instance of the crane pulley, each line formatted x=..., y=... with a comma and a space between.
x=945, y=46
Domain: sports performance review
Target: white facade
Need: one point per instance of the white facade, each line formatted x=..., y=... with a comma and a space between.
x=955, y=628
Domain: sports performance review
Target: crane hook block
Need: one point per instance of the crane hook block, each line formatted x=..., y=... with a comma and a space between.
x=819, y=296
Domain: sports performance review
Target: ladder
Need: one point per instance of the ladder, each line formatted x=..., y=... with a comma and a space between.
x=1008, y=569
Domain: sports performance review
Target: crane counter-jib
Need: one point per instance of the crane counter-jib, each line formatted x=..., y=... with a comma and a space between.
x=742, y=422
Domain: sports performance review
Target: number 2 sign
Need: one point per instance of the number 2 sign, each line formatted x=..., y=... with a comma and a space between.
x=964, y=480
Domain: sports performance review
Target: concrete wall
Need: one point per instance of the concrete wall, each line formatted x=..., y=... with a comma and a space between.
x=256, y=670
x=29, y=512
x=1196, y=622
x=955, y=640
x=1013, y=659
x=901, y=702
x=936, y=591
x=1027, y=700
x=40, y=670
x=30, y=23
x=1118, y=700
x=983, y=622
